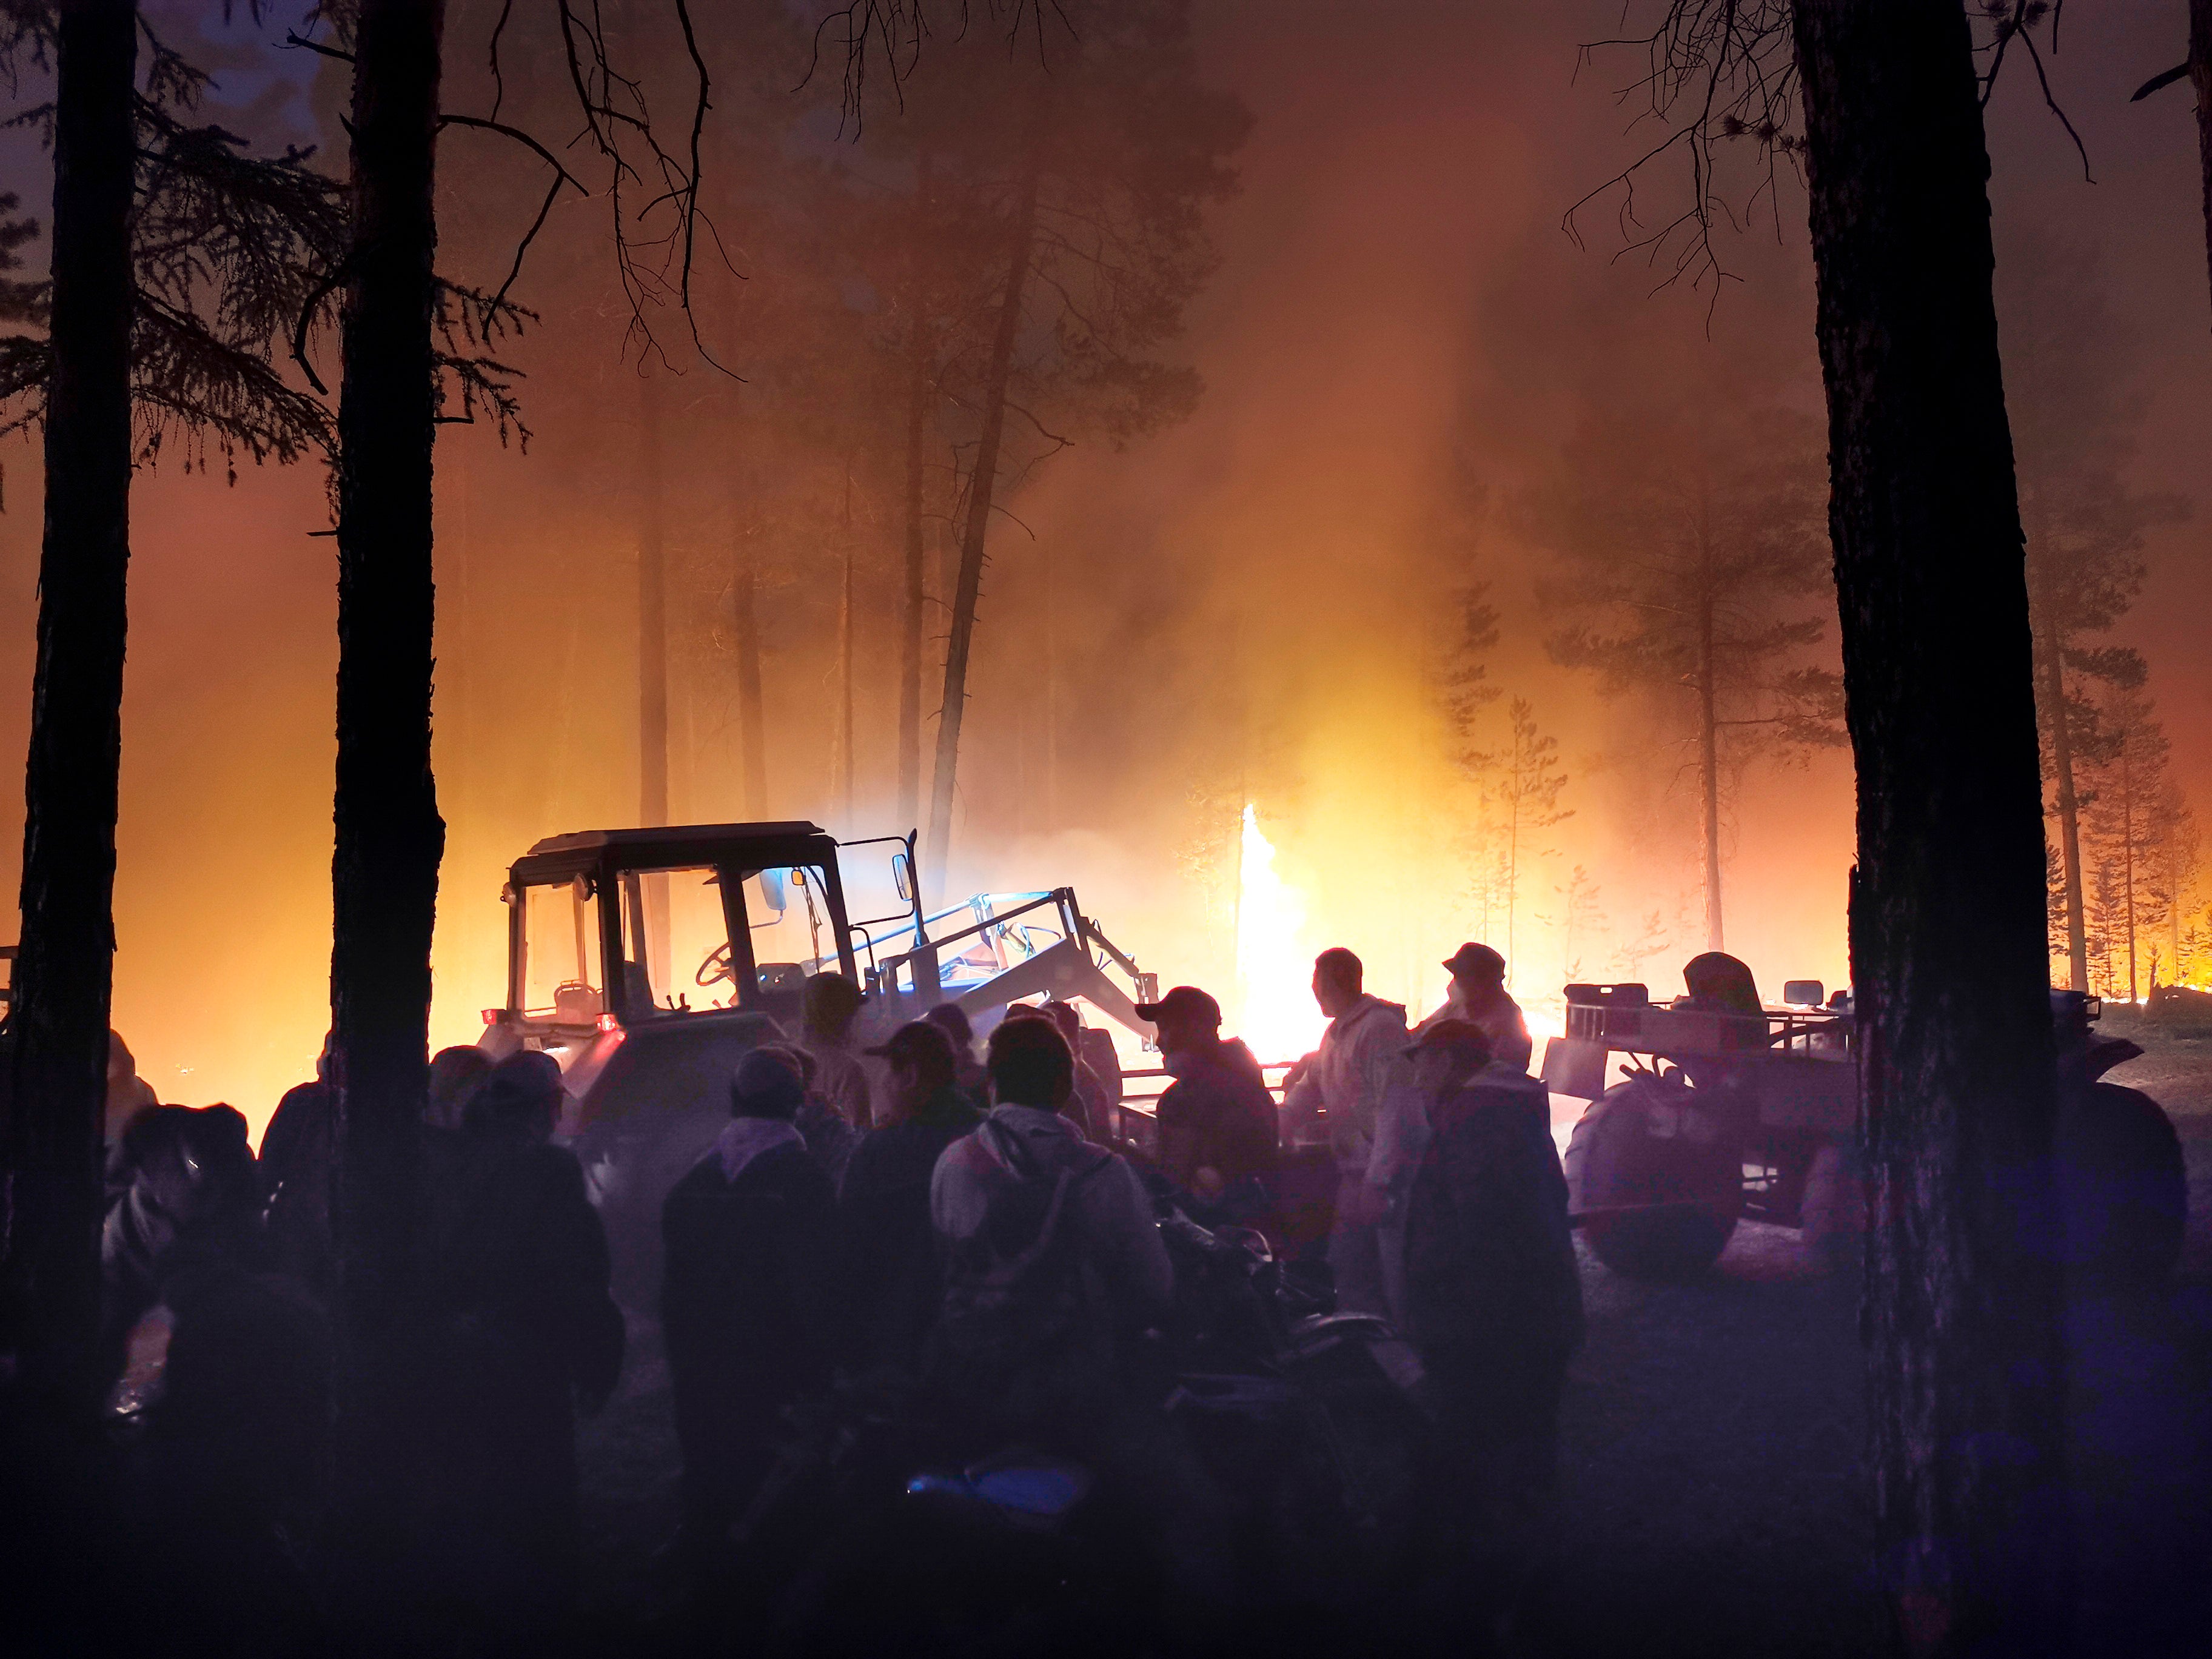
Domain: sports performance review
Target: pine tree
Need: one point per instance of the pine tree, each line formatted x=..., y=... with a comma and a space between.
x=1697, y=567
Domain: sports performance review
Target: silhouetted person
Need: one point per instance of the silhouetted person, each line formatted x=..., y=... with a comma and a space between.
x=298, y=1165
x=1099, y=1096
x=1493, y=1295
x=522, y=1327
x=182, y=1188
x=891, y=1279
x=1346, y=1079
x=1477, y=995
x=967, y=1071
x=1054, y=1272
x=456, y=1074
x=827, y=1009
x=830, y=1136
x=127, y=1092
x=746, y=1305
x=1217, y=1133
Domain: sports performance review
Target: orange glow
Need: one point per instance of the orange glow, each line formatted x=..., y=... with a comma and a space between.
x=1276, y=1014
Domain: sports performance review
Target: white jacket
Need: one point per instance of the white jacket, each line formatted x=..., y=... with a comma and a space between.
x=1361, y=1055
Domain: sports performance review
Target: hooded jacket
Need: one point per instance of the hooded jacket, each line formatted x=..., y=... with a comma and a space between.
x=1114, y=1226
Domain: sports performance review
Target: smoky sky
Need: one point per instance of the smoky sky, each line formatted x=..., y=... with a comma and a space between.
x=1238, y=605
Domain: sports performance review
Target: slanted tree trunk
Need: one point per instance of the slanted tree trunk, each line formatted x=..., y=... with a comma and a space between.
x=920, y=369
x=652, y=615
x=1948, y=950
x=980, y=484
x=2200, y=78
x=50, y=1204
x=752, y=725
x=845, y=768
x=385, y=871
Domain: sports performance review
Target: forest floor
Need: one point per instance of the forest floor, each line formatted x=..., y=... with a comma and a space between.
x=1712, y=1499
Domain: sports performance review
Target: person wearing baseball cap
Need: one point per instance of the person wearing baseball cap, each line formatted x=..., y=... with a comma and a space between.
x=1218, y=1132
x=1477, y=995
x=887, y=1254
x=1493, y=1297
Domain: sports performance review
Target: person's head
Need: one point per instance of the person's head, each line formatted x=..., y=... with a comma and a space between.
x=519, y=1099
x=1029, y=1065
x=1064, y=1017
x=827, y=1004
x=1475, y=968
x=1448, y=1053
x=951, y=1019
x=1184, y=1019
x=920, y=1055
x=1338, y=980
x=767, y=1085
x=456, y=1074
x=797, y=1058
x=326, y=1062
x=191, y=1165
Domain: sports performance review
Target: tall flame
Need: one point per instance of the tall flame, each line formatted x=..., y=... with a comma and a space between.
x=1276, y=1014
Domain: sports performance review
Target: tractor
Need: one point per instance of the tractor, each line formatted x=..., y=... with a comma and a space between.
x=647, y=962
x=1751, y=1110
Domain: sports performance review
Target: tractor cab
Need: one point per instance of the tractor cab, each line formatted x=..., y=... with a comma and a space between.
x=618, y=929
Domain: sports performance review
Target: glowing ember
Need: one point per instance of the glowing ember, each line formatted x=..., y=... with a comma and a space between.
x=1275, y=1013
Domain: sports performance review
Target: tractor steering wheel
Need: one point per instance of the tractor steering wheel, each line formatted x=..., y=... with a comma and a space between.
x=717, y=967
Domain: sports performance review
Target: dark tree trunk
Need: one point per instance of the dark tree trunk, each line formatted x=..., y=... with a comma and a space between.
x=2200, y=77
x=385, y=872
x=752, y=724
x=652, y=615
x=1948, y=951
x=921, y=366
x=51, y=1202
x=982, y=482
x=919, y=354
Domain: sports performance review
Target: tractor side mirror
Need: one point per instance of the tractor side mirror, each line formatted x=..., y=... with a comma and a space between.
x=903, y=876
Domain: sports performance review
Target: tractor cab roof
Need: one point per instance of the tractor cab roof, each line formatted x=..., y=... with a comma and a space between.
x=767, y=845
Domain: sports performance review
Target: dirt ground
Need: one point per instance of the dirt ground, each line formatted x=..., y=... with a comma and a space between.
x=1712, y=1502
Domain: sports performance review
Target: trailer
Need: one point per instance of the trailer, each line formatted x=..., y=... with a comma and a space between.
x=1728, y=1115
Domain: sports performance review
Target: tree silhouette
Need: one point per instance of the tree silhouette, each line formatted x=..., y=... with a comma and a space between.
x=1697, y=571
x=1880, y=101
x=2075, y=421
x=178, y=259
x=1521, y=788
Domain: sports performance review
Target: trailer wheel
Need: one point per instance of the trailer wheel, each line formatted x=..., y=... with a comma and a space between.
x=1656, y=1177
x=2122, y=1186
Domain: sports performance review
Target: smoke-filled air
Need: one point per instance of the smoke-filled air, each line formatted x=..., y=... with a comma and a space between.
x=1159, y=828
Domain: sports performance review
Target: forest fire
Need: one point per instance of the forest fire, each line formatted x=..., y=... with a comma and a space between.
x=936, y=522
x=1276, y=1014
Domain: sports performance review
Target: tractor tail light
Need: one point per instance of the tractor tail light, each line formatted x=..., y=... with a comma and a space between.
x=608, y=1023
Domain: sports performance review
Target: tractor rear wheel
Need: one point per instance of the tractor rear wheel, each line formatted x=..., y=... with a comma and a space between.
x=1656, y=1175
x=2122, y=1189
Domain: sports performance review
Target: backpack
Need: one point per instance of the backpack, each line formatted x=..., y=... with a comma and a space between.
x=1017, y=1307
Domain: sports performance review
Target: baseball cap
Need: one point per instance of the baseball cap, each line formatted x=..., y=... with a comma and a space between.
x=1478, y=960
x=918, y=1039
x=1185, y=1002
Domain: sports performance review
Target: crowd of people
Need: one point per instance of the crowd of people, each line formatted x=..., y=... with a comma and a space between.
x=978, y=1225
